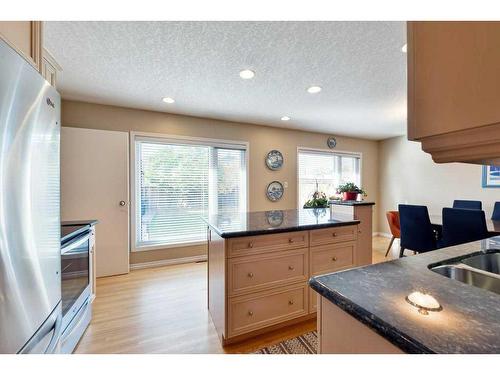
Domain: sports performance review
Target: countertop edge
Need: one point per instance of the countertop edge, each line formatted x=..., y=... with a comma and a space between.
x=80, y=222
x=280, y=230
x=350, y=203
x=392, y=334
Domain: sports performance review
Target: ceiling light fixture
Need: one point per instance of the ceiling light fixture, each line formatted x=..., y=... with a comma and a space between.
x=168, y=100
x=285, y=118
x=404, y=49
x=314, y=89
x=247, y=74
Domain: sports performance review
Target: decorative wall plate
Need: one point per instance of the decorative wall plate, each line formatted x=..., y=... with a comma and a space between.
x=331, y=142
x=274, y=160
x=274, y=191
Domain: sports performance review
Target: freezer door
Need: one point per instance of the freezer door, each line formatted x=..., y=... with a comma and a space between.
x=30, y=280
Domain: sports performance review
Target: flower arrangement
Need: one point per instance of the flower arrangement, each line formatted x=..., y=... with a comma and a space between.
x=319, y=199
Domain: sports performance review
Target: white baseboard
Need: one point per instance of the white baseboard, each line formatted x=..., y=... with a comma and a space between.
x=382, y=234
x=168, y=262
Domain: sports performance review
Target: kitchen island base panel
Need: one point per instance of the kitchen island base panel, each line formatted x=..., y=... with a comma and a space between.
x=264, y=284
x=261, y=331
x=340, y=333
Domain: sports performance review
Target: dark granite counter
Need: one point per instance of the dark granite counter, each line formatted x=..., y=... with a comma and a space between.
x=263, y=222
x=351, y=203
x=375, y=295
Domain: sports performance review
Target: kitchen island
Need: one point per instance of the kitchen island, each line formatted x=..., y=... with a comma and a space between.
x=259, y=264
x=365, y=310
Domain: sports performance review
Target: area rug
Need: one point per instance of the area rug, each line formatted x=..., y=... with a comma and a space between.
x=303, y=344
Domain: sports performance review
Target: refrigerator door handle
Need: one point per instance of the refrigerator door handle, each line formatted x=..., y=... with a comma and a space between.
x=38, y=343
x=54, y=341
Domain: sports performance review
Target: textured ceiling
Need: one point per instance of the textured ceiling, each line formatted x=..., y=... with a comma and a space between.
x=359, y=65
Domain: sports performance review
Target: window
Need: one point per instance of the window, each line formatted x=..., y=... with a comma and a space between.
x=327, y=170
x=177, y=182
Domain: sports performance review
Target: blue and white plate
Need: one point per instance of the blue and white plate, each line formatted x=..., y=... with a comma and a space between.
x=274, y=160
x=274, y=191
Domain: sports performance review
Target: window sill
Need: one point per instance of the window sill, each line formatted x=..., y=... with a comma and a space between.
x=167, y=246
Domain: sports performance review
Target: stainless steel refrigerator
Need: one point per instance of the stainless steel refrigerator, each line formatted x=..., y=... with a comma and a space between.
x=30, y=260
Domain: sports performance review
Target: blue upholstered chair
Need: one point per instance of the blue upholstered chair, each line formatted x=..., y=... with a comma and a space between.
x=417, y=233
x=470, y=205
x=462, y=226
x=496, y=212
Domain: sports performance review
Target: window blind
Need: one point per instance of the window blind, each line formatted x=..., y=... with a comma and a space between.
x=326, y=169
x=178, y=183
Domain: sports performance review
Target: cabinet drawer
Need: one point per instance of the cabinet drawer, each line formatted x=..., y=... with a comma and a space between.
x=269, y=242
x=257, y=272
x=333, y=235
x=259, y=310
x=331, y=258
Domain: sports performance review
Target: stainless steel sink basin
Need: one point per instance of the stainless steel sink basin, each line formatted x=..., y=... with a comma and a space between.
x=467, y=275
x=489, y=262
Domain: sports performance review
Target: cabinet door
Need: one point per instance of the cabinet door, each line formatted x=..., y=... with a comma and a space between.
x=26, y=38
x=453, y=77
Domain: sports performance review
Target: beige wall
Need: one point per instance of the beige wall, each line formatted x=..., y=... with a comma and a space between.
x=261, y=140
x=408, y=175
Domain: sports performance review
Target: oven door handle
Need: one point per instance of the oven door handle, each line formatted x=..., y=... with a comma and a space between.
x=73, y=245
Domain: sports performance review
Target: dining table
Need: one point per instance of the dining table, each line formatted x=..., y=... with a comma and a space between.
x=492, y=225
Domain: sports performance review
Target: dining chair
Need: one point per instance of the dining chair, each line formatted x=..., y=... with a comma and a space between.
x=462, y=226
x=417, y=233
x=496, y=212
x=394, y=226
x=471, y=205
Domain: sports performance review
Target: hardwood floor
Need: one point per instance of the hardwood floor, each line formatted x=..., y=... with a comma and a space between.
x=164, y=310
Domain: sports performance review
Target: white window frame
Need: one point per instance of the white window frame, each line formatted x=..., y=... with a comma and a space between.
x=174, y=139
x=327, y=151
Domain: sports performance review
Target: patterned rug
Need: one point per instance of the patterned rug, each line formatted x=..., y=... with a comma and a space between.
x=303, y=344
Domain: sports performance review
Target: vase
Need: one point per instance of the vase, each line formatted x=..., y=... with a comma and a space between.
x=349, y=196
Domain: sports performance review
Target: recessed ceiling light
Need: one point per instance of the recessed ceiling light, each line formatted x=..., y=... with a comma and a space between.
x=168, y=100
x=285, y=118
x=247, y=74
x=404, y=49
x=314, y=89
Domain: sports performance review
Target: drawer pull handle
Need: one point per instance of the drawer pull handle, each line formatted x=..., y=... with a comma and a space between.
x=250, y=313
x=334, y=259
x=250, y=245
x=334, y=234
x=291, y=268
x=290, y=240
x=250, y=274
x=290, y=302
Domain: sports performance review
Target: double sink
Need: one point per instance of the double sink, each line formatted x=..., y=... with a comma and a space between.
x=479, y=270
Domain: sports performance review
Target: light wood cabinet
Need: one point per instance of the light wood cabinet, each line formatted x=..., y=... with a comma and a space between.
x=259, y=283
x=453, y=96
x=50, y=68
x=340, y=333
x=26, y=38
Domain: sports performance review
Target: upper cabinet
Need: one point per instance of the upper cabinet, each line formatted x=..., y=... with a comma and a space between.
x=26, y=38
x=454, y=90
x=50, y=68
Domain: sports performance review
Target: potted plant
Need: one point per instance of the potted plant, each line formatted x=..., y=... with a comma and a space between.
x=319, y=200
x=350, y=191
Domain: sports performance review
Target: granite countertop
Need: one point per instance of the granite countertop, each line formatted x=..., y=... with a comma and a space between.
x=351, y=203
x=375, y=295
x=229, y=225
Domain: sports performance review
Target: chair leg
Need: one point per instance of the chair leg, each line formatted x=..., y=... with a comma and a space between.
x=401, y=252
x=390, y=245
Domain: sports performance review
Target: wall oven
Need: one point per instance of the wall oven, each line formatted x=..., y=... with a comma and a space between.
x=75, y=279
